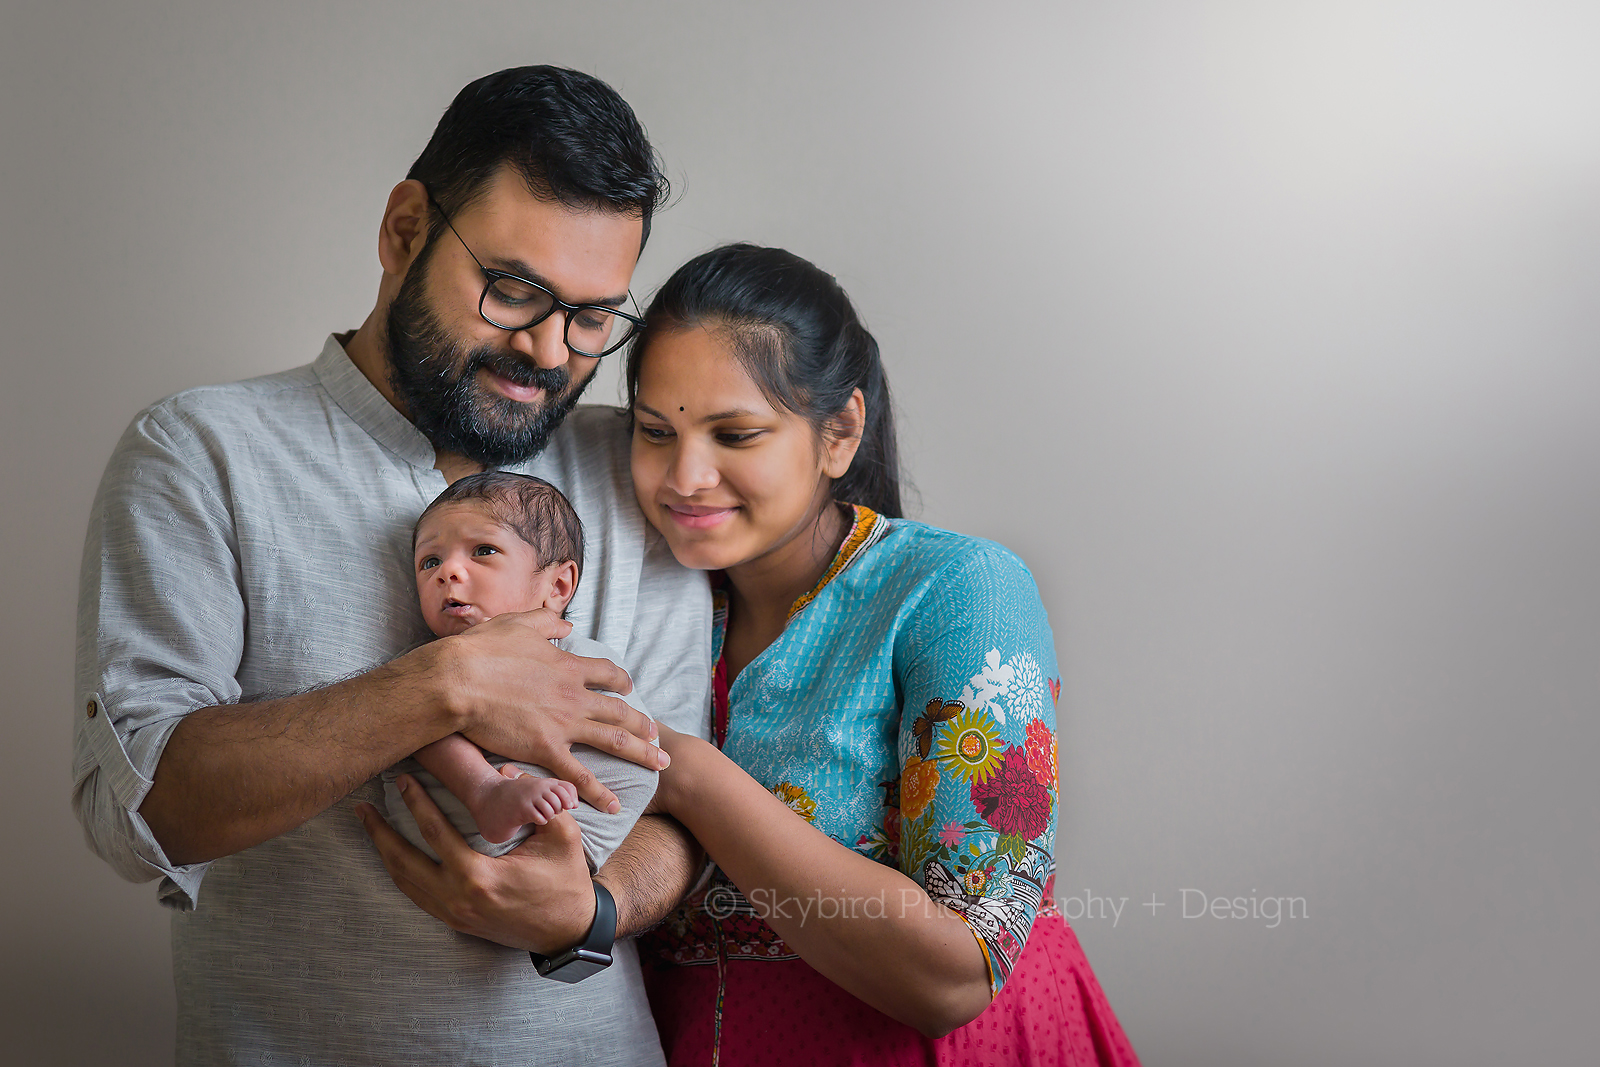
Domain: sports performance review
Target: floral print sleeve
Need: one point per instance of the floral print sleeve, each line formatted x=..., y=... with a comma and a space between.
x=977, y=788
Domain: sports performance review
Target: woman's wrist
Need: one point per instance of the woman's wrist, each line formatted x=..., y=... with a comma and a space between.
x=675, y=791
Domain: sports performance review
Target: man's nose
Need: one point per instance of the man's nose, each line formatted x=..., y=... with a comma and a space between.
x=545, y=343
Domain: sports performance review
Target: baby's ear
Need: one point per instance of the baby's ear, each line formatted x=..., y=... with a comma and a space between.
x=563, y=584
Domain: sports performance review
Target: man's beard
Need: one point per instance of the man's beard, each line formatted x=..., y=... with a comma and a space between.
x=435, y=377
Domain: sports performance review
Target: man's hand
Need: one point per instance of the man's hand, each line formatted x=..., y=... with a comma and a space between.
x=538, y=896
x=504, y=668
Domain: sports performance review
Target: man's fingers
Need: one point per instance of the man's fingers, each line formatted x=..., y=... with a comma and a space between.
x=560, y=837
x=603, y=674
x=436, y=829
x=617, y=741
x=565, y=766
x=425, y=883
x=407, y=865
x=614, y=711
x=547, y=624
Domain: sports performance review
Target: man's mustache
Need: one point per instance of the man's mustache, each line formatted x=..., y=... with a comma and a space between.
x=553, y=380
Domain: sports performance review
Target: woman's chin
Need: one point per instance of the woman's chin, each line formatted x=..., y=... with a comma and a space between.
x=702, y=554
x=697, y=559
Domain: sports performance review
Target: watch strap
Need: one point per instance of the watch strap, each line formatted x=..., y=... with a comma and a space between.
x=596, y=944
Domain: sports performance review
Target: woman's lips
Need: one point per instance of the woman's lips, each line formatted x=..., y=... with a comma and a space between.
x=697, y=517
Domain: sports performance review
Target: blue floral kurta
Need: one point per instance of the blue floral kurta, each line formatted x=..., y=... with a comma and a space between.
x=907, y=711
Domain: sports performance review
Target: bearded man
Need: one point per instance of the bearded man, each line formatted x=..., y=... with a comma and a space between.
x=253, y=540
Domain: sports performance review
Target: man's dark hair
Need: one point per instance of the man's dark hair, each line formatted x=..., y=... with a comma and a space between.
x=529, y=507
x=568, y=134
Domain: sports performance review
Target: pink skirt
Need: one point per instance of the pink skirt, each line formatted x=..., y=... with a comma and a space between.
x=1051, y=1011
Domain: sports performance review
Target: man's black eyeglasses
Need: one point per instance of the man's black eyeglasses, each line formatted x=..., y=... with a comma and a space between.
x=513, y=303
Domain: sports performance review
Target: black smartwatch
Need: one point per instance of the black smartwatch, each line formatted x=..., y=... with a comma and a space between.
x=593, y=953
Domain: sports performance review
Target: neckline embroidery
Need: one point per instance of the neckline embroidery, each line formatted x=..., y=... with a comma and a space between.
x=867, y=528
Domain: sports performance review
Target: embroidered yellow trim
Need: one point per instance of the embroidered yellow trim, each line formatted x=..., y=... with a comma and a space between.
x=861, y=531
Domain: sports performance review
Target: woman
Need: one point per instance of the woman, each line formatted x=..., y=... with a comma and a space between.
x=886, y=683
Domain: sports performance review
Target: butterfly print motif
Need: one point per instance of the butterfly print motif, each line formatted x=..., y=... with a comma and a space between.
x=938, y=711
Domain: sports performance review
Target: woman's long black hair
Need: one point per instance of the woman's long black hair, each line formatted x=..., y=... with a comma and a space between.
x=798, y=336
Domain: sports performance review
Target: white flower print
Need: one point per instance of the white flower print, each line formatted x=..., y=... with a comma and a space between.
x=1018, y=682
x=1027, y=687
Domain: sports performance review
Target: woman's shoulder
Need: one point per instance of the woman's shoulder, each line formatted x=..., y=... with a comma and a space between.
x=937, y=552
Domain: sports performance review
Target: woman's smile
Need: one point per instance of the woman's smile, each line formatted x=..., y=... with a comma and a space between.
x=698, y=517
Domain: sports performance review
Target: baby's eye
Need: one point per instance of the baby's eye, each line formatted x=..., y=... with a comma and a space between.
x=428, y=564
x=485, y=550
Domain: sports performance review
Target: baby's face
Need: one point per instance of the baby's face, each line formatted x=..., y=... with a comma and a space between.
x=470, y=568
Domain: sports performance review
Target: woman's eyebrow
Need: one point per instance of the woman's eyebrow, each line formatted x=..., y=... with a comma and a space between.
x=733, y=413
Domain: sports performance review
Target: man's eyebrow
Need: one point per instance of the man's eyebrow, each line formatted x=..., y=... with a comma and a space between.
x=718, y=416
x=526, y=272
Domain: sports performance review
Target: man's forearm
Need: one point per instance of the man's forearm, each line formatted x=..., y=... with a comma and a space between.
x=650, y=872
x=235, y=775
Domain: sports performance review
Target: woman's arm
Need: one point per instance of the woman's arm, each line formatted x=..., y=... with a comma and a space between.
x=865, y=926
x=972, y=827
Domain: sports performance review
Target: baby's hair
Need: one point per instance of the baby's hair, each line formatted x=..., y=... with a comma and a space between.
x=529, y=507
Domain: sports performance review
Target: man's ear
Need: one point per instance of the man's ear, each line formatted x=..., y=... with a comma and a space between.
x=563, y=583
x=842, y=436
x=404, y=231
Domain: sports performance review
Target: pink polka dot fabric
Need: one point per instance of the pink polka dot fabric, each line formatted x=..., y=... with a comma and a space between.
x=1050, y=1012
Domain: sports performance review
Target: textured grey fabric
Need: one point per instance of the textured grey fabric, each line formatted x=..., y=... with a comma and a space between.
x=251, y=540
x=602, y=833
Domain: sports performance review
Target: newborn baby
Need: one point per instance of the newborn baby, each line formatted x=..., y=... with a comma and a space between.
x=492, y=543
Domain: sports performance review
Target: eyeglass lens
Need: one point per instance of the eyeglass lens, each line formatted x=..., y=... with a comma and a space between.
x=515, y=305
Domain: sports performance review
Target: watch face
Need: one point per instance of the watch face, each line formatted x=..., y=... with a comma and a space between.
x=575, y=965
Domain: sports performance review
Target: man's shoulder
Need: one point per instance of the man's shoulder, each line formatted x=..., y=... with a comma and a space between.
x=206, y=410
x=594, y=429
x=588, y=454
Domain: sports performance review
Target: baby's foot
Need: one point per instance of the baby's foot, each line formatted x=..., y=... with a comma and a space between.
x=518, y=799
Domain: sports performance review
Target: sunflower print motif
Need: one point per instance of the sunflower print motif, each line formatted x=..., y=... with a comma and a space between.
x=969, y=745
x=984, y=819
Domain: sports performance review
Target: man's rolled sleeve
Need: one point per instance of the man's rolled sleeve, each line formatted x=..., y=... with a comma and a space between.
x=160, y=632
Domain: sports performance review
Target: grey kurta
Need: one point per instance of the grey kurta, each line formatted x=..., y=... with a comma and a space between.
x=253, y=539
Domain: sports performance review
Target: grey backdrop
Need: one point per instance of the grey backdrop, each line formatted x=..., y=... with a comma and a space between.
x=1265, y=332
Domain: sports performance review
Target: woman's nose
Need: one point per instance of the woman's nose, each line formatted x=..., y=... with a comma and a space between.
x=691, y=470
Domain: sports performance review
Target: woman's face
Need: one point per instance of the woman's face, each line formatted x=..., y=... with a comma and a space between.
x=725, y=476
